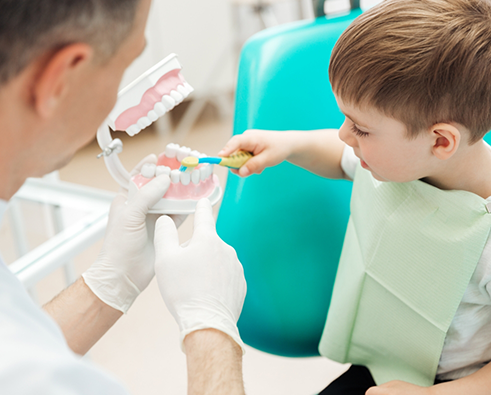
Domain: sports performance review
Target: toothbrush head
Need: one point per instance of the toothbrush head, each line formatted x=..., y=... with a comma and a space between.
x=190, y=161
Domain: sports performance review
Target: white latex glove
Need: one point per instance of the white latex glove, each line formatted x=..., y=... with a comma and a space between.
x=202, y=281
x=125, y=265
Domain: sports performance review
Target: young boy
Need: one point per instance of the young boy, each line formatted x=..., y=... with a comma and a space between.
x=411, y=306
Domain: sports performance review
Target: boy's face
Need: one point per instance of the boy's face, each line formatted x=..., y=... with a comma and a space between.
x=383, y=147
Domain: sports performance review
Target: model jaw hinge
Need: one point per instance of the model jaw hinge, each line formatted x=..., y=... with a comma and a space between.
x=115, y=146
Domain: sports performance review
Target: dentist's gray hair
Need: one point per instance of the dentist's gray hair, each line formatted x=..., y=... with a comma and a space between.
x=29, y=28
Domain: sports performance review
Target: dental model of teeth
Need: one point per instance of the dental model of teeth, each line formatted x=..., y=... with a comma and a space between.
x=141, y=103
x=186, y=188
x=149, y=97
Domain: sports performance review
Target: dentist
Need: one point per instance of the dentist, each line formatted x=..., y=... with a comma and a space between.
x=61, y=62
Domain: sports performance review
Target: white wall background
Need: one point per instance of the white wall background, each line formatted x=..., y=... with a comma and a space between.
x=199, y=31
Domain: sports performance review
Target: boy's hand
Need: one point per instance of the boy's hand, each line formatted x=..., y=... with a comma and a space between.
x=269, y=148
x=398, y=388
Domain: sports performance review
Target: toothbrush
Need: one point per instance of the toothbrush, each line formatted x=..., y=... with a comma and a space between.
x=235, y=161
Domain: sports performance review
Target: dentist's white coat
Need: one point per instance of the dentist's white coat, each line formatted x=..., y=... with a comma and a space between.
x=34, y=357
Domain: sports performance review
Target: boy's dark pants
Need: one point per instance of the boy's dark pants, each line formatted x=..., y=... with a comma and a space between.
x=355, y=381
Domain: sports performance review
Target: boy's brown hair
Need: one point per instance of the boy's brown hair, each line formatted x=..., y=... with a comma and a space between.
x=419, y=61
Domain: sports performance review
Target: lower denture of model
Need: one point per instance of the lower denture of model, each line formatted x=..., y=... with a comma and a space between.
x=194, y=185
x=170, y=90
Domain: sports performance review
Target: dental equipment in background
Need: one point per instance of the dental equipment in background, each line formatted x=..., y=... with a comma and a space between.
x=235, y=161
x=139, y=104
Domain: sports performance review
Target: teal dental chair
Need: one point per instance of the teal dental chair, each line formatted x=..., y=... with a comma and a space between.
x=287, y=225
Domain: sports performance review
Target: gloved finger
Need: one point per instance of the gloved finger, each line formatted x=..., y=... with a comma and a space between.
x=152, y=158
x=117, y=206
x=178, y=219
x=166, y=236
x=150, y=223
x=204, y=223
x=148, y=196
x=186, y=243
x=152, y=219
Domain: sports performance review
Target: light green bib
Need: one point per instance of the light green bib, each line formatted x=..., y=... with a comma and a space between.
x=408, y=256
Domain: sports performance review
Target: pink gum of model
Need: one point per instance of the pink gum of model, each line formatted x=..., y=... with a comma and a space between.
x=164, y=86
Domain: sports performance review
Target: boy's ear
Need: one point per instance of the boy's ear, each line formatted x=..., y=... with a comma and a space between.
x=446, y=140
x=55, y=76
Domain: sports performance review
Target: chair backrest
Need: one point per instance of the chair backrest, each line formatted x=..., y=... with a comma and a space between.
x=287, y=225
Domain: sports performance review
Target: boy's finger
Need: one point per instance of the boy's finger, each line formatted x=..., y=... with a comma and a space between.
x=254, y=165
x=232, y=145
x=246, y=142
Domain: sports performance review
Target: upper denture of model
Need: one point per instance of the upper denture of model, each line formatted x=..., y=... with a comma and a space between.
x=170, y=90
x=195, y=184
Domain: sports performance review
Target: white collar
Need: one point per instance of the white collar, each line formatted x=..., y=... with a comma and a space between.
x=3, y=208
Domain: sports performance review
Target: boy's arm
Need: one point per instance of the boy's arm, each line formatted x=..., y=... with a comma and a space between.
x=478, y=383
x=318, y=151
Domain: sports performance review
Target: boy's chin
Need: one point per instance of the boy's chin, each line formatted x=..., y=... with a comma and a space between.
x=379, y=177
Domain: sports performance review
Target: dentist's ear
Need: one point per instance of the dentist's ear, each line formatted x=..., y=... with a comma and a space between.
x=56, y=72
x=446, y=140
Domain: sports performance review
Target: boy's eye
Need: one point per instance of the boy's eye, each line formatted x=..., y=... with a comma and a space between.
x=358, y=131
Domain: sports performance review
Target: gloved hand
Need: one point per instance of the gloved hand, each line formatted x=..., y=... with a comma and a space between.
x=125, y=265
x=202, y=281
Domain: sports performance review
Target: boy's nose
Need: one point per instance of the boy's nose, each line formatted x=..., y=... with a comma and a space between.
x=347, y=136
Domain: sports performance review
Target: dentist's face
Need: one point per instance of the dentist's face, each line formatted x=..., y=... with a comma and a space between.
x=87, y=106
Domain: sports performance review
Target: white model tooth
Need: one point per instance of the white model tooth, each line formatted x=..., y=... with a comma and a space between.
x=182, y=153
x=168, y=102
x=175, y=176
x=202, y=172
x=185, y=178
x=195, y=176
x=195, y=153
x=152, y=115
x=148, y=170
x=159, y=108
x=143, y=122
x=202, y=155
x=209, y=170
x=171, y=150
x=133, y=129
x=188, y=87
x=183, y=91
x=162, y=170
x=176, y=96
